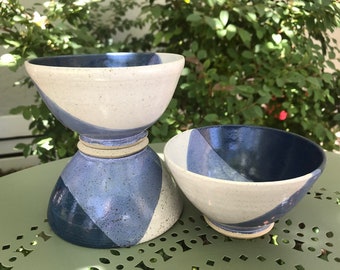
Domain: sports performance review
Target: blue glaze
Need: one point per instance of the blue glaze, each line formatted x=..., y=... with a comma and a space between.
x=99, y=60
x=245, y=153
x=240, y=228
x=112, y=199
x=203, y=159
x=67, y=218
x=128, y=140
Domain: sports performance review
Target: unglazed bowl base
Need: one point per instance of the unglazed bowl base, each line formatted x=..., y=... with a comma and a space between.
x=249, y=235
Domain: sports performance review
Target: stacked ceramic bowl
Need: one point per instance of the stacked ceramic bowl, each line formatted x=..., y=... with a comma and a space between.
x=243, y=178
x=114, y=191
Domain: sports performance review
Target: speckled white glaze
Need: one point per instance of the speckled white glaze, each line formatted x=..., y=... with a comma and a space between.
x=238, y=207
x=115, y=98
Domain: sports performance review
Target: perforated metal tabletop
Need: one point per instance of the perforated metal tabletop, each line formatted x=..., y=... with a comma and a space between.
x=306, y=238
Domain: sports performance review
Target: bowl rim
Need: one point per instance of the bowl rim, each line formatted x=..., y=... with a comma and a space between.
x=176, y=58
x=301, y=178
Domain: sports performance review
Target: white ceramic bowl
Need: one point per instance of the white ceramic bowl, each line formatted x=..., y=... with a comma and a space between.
x=113, y=94
x=243, y=178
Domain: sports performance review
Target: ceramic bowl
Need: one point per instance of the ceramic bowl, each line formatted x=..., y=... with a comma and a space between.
x=243, y=178
x=107, y=95
x=115, y=191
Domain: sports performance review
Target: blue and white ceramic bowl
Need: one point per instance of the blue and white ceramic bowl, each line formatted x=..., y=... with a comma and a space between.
x=115, y=191
x=107, y=96
x=243, y=178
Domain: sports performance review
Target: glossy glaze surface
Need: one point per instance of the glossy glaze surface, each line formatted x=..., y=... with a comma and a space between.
x=243, y=177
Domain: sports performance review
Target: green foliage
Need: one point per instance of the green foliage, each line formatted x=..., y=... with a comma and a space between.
x=247, y=62
x=56, y=28
x=62, y=27
x=53, y=139
x=252, y=62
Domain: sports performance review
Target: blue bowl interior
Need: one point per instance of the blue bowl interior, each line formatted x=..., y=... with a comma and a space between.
x=246, y=153
x=99, y=60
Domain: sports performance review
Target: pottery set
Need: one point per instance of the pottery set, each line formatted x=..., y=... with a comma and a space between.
x=116, y=192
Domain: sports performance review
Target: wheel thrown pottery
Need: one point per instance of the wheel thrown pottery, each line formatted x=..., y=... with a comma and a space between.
x=115, y=191
x=243, y=178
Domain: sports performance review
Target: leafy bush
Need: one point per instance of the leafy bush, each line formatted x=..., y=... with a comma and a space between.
x=247, y=62
x=251, y=62
x=55, y=28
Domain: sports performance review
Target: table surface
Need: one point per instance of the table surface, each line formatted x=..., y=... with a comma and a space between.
x=308, y=237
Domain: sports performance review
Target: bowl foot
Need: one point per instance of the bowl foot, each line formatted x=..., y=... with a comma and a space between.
x=238, y=232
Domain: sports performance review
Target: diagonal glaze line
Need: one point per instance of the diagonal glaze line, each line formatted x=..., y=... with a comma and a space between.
x=209, y=163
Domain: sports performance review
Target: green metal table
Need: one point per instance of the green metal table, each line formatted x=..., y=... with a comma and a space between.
x=308, y=237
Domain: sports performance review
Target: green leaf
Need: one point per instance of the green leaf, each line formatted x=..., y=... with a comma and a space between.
x=27, y=113
x=210, y=21
x=245, y=36
x=194, y=46
x=164, y=130
x=260, y=32
x=277, y=38
x=331, y=55
x=296, y=77
x=289, y=32
x=276, y=18
x=245, y=89
x=251, y=16
x=35, y=111
x=17, y=110
x=158, y=38
x=221, y=33
x=216, y=25
x=280, y=82
x=252, y=112
x=18, y=18
x=13, y=43
x=330, y=98
x=206, y=63
x=263, y=99
x=155, y=131
x=211, y=117
x=261, y=9
x=185, y=71
x=319, y=131
x=258, y=112
x=331, y=64
x=231, y=31
x=20, y=146
x=211, y=3
x=224, y=17
x=194, y=17
x=248, y=54
x=270, y=45
x=202, y=54
x=327, y=77
x=61, y=152
x=313, y=81
x=25, y=148
x=156, y=11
